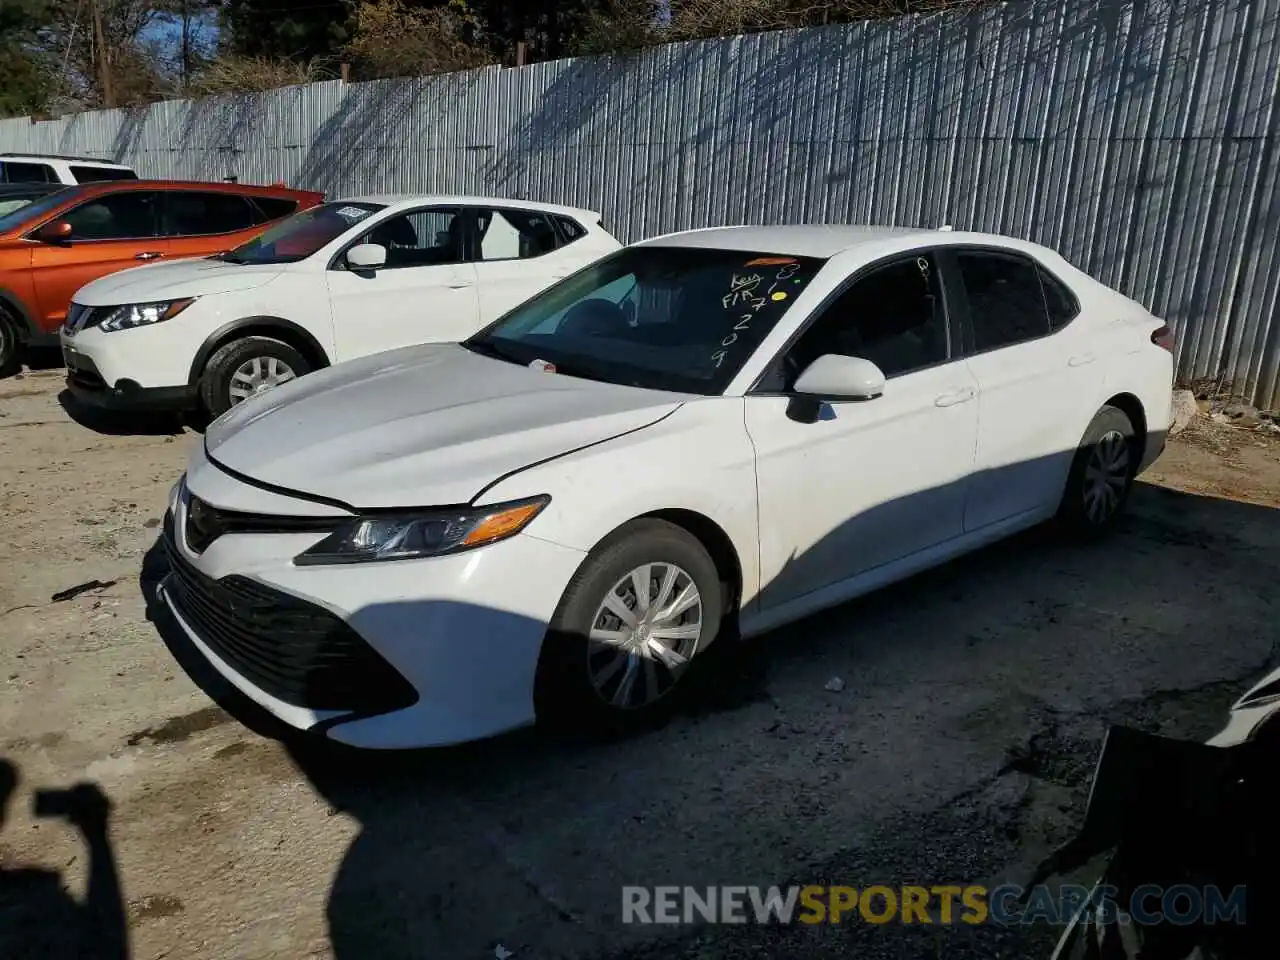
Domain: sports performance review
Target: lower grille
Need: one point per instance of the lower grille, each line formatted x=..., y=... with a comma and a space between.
x=295, y=651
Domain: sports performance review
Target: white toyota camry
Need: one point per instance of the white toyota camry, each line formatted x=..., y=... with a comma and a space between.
x=697, y=438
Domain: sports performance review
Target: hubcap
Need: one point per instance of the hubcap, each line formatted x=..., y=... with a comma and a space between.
x=1105, y=476
x=643, y=636
x=258, y=374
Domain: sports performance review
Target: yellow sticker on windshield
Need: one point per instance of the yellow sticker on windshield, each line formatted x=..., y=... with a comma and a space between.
x=779, y=296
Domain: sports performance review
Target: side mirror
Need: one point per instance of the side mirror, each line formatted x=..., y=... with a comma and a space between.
x=57, y=232
x=367, y=256
x=836, y=377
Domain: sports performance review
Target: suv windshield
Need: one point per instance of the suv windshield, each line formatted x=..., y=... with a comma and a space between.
x=28, y=209
x=302, y=234
x=664, y=318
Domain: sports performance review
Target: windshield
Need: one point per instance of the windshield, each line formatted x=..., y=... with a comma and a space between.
x=664, y=318
x=27, y=208
x=302, y=234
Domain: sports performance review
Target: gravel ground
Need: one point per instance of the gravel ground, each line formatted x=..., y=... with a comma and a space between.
x=958, y=751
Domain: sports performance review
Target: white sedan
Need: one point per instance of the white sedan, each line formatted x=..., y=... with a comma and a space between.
x=697, y=438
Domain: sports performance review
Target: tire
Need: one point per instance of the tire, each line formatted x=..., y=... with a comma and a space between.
x=579, y=684
x=218, y=393
x=10, y=344
x=1101, y=476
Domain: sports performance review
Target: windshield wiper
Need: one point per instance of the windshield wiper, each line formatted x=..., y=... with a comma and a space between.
x=228, y=257
x=487, y=349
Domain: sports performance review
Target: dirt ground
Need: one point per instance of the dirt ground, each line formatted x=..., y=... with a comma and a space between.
x=958, y=751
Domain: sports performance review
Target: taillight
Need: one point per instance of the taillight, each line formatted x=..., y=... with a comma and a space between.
x=1163, y=337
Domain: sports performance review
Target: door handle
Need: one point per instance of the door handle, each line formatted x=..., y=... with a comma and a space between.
x=952, y=399
x=1080, y=359
x=149, y=255
x=460, y=286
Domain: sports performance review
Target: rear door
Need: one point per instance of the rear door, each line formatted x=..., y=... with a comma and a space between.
x=1034, y=384
x=110, y=232
x=426, y=293
x=199, y=223
x=519, y=253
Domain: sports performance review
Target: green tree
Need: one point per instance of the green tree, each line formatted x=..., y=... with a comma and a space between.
x=26, y=74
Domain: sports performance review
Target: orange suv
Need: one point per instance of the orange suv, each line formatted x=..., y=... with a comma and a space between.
x=52, y=247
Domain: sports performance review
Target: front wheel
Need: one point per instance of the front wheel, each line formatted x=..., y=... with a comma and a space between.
x=244, y=368
x=1101, y=476
x=644, y=604
x=10, y=344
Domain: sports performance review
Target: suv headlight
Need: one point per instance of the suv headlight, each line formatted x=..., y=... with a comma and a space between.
x=141, y=314
x=423, y=534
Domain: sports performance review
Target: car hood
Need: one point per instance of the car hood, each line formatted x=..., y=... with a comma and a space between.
x=172, y=280
x=421, y=426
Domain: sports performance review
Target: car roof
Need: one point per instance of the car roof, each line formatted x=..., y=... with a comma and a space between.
x=412, y=199
x=203, y=186
x=822, y=241
x=93, y=161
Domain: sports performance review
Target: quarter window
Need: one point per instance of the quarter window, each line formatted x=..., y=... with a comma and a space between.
x=570, y=229
x=267, y=209
x=893, y=317
x=198, y=214
x=1060, y=301
x=423, y=238
x=515, y=234
x=116, y=216
x=1006, y=301
x=83, y=174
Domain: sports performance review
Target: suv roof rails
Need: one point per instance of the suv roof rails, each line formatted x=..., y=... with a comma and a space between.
x=60, y=156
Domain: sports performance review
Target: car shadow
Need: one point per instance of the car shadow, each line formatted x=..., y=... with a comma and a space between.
x=111, y=423
x=524, y=841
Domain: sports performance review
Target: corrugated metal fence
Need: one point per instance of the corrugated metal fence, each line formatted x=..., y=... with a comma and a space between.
x=1139, y=138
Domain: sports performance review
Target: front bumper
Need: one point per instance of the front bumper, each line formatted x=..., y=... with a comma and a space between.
x=385, y=656
x=87, y=385
x=144, y=369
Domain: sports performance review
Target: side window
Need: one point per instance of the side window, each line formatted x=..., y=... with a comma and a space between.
x=570, y=229
x=200, y=214
x=1006, y=301
x=116, y=216
x=1063, y=307
x=82, y=174
x=27, y=172
x=515, y=234
x=893, y=317
x=266, y=209
x=423, y=238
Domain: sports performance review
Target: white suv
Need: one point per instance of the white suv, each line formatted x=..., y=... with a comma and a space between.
x=337, y=281
x=53, y=168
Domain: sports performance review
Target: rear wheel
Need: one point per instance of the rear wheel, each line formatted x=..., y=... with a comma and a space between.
x=244, y=368
x=620, y=647
x=1101, y=476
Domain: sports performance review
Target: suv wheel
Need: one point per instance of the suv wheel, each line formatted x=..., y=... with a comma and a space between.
x=244, y=368
x=10, y=344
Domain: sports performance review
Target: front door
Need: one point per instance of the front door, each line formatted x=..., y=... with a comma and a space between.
x=426, y=292
x=874, y=481
x=109, y=233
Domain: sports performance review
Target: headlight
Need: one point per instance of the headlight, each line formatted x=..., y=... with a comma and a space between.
x=142, y=314
x=426, y=534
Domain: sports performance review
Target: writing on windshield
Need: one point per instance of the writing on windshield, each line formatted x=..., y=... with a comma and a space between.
x=671, y=318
